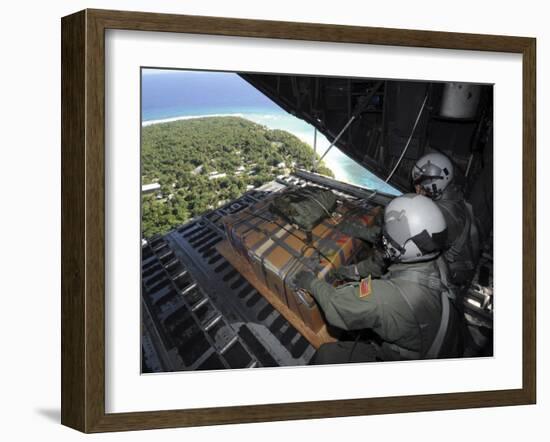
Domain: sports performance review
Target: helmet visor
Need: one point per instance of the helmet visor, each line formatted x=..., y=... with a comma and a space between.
x=426, y=174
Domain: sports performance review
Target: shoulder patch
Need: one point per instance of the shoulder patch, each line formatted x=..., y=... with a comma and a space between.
x=365, y=287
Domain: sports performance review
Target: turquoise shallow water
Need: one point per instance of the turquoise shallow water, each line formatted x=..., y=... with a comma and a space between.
x=181, y=94
x=344, y=168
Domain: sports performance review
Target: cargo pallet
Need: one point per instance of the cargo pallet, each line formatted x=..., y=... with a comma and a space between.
x=316, y=339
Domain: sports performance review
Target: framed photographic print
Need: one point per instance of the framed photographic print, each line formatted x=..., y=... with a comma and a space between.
x=267, y=220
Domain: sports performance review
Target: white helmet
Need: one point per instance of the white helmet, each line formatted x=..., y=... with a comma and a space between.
x=414, y=229
x=433, y=172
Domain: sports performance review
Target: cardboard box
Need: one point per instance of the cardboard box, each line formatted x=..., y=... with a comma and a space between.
x=277, y=251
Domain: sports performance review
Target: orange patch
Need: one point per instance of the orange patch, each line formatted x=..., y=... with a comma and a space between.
x=365, y=287
x=342, y=239
x=367, y=219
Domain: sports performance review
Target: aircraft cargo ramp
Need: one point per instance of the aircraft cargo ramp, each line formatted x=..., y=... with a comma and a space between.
x=200, y=313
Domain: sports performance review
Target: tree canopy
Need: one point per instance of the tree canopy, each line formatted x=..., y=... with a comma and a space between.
x=202, y=163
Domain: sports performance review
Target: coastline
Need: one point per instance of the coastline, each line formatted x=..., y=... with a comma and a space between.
x=187, y=117
x=344, y=168
x=260, y=119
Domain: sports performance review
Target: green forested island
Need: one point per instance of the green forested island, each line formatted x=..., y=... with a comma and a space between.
x=202, y=163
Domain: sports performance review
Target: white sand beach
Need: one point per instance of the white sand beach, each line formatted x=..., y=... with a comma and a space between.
x=187, y=117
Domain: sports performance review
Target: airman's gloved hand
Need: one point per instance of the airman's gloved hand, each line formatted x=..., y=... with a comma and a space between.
x=367, y=233
x=349, y=273
x=372, y=234
x=303, y=280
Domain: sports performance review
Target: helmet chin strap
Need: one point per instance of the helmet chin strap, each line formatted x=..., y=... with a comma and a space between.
x=395, y=254
x=391, y=252
x=426, y=191
x=399, y=254
x=389, y=255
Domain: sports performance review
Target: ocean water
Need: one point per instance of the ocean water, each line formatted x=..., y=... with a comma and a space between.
x=171, y=95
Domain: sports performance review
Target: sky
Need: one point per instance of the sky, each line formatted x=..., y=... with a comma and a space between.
x=169, y=94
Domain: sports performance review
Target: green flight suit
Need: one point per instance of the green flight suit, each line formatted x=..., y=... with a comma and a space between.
x=404, y=308
x=462, y=238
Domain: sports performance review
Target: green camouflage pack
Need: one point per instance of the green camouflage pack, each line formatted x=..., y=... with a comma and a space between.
x=305, y=206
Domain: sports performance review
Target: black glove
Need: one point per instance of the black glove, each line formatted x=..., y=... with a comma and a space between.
x=367, y=233
x=375, y=233
x=372, y=234
x=345, y=272
x=303, y=280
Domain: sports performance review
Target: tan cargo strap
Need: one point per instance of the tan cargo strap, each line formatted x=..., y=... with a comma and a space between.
x=268, y=235
x=306, y=262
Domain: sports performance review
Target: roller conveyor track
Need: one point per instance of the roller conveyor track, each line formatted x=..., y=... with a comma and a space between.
x=200, y=313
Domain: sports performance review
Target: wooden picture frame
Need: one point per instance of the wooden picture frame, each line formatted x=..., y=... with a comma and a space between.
x=83, y=219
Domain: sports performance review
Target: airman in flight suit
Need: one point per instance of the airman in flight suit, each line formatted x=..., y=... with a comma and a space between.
x=409, y=307
x=433, y=176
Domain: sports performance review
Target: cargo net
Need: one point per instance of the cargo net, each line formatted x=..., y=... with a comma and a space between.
x=274, y=239
x=304, y=207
